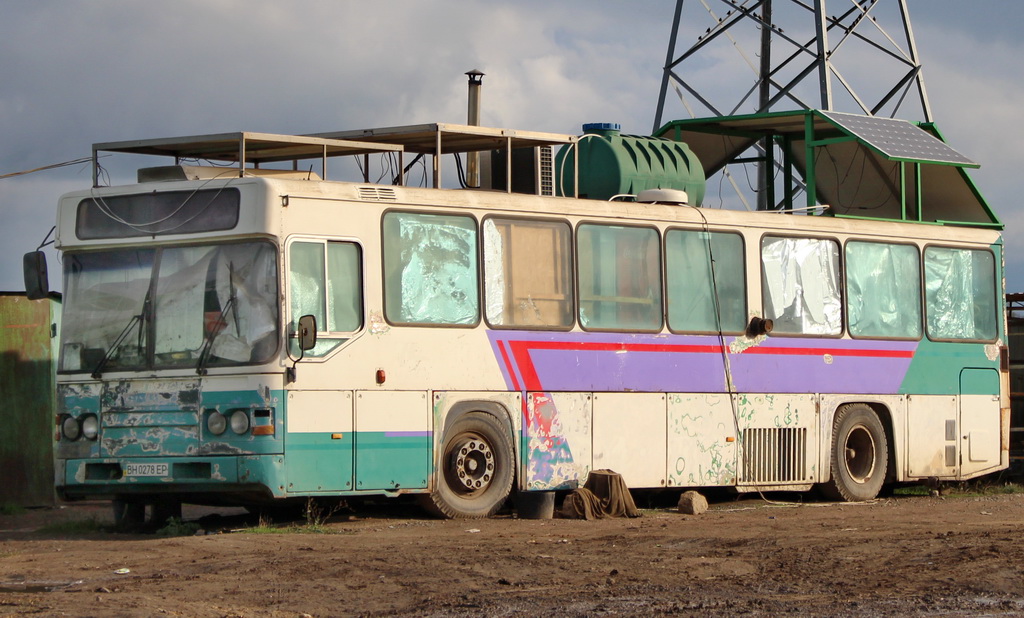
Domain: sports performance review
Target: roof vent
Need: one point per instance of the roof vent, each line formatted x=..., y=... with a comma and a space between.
x=377, y=194
x=664, y=196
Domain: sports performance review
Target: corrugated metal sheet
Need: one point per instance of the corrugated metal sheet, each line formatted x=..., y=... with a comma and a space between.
x=27, y=357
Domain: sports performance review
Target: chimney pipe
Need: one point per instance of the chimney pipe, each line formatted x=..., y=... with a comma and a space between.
x=476, y=79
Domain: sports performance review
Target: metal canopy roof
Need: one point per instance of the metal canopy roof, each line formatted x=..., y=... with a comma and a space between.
x=444, y=138
x=246, y=148
x=718, y=140
x=857, y=165
x=243, y=147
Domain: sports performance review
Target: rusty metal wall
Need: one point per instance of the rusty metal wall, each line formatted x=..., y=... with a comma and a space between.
x=27, y=395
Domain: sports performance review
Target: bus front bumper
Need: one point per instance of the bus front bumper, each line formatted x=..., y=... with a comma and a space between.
x=247, y=476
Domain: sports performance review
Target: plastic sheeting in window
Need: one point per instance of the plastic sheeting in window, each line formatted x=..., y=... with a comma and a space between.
x=883, y=290
x=800, y=284
x=430, y=264
x=960, y=293
x=694, y=303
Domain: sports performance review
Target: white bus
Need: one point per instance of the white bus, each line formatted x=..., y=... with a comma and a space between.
x=249, y=334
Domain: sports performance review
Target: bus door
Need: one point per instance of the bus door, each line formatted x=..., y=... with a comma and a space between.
x=319, y=441
x=979, y=421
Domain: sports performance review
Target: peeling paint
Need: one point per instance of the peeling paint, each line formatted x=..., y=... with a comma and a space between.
x=992, y=352
x=378, y=326
x=741, y=344
x=215, y=473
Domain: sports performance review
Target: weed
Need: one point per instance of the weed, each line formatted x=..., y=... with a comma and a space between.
x=76, y=526
x=176, y=527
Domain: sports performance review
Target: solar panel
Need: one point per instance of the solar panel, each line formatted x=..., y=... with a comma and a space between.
x=899, y=139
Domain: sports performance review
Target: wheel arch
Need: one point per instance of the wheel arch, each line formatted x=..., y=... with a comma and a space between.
x=885, y=416
x=497, y=409
x=446, y=495
x=477, y=406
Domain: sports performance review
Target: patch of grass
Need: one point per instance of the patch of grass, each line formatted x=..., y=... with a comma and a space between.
x=76, y=526
x=912, y=490
x=316, y=515
x=11, y=509
x=176, y=527
x=969, y=489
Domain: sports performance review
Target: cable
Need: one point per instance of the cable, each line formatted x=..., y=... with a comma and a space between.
x=139, y=227
x=462, y=173
x=727, y=368
x=44, y=243
x=48, y=167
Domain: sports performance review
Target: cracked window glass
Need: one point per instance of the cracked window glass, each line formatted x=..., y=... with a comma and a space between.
x=430, y=269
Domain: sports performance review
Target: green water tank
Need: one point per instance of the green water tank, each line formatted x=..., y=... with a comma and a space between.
x=615, y=164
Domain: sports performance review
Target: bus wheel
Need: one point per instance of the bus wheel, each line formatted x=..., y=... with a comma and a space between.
x=476, y=469
x=860, y=454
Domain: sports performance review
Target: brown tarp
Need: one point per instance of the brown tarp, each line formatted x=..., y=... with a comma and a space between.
x=604, y=495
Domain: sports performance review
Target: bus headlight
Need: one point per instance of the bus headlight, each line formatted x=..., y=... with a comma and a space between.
x=90, y=426
x=216, y=423
x=239, y=422
x=70, y=429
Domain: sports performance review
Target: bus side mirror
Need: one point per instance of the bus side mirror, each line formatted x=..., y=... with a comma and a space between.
x=307, y=332
x=37, y=284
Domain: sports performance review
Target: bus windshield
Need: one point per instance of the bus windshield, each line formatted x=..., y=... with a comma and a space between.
x=170, y=307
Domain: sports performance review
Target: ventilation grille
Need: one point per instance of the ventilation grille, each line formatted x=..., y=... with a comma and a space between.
x=546, y=171
x=377, y=194
x=774, y=455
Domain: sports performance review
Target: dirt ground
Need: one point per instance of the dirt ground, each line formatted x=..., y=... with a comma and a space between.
x=907, y=555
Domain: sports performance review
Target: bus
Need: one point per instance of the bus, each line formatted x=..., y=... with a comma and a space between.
x=250, y=332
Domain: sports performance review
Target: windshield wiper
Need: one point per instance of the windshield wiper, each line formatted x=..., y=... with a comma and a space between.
x=97, y=373
x=211, y=334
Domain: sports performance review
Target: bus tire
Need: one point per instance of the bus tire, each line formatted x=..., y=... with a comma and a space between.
x=476, y=469
x=859, y=456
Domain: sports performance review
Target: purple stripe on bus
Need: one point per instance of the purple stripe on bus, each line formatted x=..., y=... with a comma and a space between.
x=615, y=362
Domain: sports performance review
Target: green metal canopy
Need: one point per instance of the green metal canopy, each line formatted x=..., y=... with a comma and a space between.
x=859, y=166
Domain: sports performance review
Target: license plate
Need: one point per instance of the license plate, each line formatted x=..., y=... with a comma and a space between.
x=146, y=469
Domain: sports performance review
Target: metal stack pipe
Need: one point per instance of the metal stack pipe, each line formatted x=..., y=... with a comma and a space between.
x=476, y=78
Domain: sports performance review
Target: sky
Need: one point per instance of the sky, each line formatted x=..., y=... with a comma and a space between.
x=76, y=73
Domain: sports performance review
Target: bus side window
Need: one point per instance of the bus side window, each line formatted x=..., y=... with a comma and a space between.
x=883, y=290
x=527, y=273
x=800, y=285
x=696, y=303
x=325, y=281
x=430, y=269
x=619, y=271
x=960, y=293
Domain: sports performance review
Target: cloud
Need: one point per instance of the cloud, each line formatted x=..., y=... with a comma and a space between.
x=75, y=74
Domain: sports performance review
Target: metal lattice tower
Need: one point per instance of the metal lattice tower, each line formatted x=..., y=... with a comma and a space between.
x=798, y=55
x=795, y=56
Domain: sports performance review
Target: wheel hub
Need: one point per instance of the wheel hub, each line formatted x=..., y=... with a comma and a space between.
x=860, y=454
x=474, y=464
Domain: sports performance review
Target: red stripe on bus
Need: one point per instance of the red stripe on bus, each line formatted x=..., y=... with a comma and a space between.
x=832, y=352
x=508, y=365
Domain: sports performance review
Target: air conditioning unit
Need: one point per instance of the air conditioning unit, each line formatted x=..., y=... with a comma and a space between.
x=533, y=170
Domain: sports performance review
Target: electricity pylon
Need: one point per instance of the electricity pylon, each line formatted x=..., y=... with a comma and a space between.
x=759, y=56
